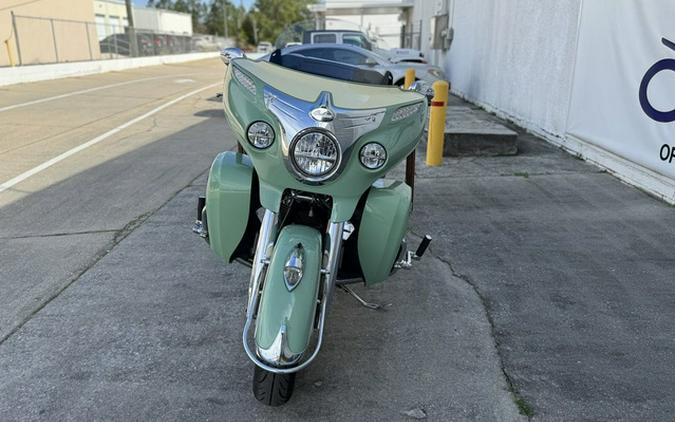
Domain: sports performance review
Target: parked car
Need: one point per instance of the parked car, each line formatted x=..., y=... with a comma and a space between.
x=399, y=55
x=324, y=36
x=365, y=59
x=264, y=47
x=329, y=68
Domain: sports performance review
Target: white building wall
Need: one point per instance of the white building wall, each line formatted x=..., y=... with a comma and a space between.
x=386, y=28
x=517, y=58
x=513, y=57
x=164, y=21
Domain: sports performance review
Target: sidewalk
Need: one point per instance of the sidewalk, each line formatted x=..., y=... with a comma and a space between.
x=576, y=271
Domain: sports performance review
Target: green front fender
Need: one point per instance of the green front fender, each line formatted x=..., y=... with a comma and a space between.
x=296, y=308
x=228, y=199
x=383, y=226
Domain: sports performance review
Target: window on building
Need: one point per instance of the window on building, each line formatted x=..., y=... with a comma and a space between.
x=115, y=24
x=100, y=26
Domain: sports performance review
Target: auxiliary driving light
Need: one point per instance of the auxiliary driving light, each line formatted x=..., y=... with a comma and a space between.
x=373, y=155
x=260, y=135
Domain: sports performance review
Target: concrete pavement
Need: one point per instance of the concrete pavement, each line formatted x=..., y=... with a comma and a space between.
x=55, y=225
x=576, y=272
x=153, y=332
x=548, y=288
x=113, y=309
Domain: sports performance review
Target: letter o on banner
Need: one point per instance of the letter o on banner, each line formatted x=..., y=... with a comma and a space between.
x=666, y=152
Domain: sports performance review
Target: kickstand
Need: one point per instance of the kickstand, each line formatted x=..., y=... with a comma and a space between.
x=369, y=305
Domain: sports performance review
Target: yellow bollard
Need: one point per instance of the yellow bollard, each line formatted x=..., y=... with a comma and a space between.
x=409, y=78
x=436, y=138
x=9, y=53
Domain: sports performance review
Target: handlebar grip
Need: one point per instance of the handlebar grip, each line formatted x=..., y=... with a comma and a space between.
x=423, y=246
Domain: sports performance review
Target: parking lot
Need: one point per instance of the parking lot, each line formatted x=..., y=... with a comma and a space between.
x=548, y=291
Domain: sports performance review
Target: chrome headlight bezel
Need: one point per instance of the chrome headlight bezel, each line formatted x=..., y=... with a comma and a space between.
x=248, y=137
x=302, y=173
x=374, y=144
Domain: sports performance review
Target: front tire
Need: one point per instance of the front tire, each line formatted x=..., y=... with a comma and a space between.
x=272, y=389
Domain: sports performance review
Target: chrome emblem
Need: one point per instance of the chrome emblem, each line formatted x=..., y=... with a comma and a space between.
x=322, y=114
x=294, y=266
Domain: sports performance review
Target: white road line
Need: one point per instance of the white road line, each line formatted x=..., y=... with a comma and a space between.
x=85, y=91
x=35, y=170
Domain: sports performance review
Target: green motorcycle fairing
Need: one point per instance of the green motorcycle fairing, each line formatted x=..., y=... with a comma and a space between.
x=249, y=94
x=228, y=199
x=383, y=226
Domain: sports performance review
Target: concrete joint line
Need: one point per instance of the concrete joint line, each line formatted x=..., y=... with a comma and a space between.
x=35, y=236
x=119, y=236
x=515, y=395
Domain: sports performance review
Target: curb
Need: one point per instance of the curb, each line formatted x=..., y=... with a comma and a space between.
x=24, y=74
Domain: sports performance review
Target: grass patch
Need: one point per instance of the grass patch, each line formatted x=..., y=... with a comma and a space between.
x=522, y=174
x=523, y=407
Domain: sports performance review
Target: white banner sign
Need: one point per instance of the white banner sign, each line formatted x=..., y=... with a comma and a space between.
x=623, y=96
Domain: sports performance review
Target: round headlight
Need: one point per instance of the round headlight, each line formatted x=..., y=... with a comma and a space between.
x=316, y=154
x=260, y=135
x=373, y=155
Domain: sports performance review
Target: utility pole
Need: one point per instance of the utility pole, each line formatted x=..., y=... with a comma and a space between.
x=133, y=42
x=224, y=16
x=255, y=29
x=241, y=7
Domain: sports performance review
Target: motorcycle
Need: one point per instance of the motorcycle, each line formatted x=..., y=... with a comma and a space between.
x=305, y=204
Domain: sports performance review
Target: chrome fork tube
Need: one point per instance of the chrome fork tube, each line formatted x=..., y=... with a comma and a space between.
x=335, y=244
x=328, y=272
x=260, y=260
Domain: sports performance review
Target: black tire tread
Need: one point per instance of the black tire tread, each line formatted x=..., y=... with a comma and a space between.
x=272, y=389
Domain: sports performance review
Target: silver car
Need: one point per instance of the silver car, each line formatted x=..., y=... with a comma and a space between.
x=366, y=59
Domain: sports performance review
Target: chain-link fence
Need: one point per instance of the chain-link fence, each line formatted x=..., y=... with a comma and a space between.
x=40, y=40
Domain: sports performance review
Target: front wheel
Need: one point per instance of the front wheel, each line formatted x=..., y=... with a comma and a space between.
x=272, y=389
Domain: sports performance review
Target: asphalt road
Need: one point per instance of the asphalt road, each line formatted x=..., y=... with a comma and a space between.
x=111, y=309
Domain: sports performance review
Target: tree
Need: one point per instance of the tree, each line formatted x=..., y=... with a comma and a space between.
x=215, y=18
x=160, y=4
x=267, y=18
x=272, y=16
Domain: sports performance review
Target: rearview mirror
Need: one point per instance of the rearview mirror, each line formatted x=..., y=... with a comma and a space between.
x=227, y=54
x=424, y=88
x=371, y=62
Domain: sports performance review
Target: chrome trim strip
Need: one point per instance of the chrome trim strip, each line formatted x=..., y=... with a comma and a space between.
x=265, y=238
x=295, y=115
x=279, y=351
